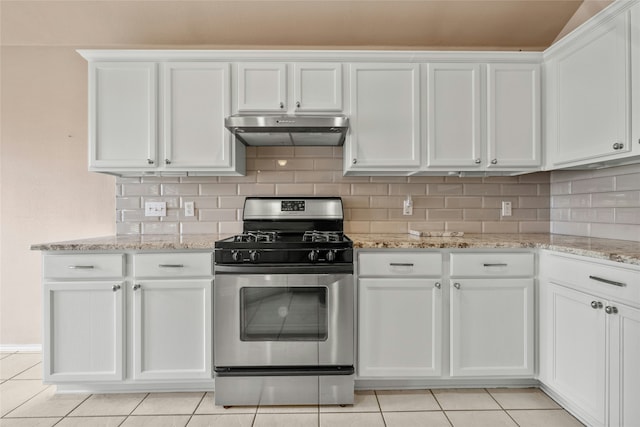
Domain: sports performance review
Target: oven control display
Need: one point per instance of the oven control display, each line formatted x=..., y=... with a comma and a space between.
x=292, y=206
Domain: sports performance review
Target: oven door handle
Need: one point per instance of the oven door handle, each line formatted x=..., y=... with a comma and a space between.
x=346, y=268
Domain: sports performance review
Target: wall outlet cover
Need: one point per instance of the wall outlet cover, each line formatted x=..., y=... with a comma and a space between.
x=506, y=208
x=189, y=209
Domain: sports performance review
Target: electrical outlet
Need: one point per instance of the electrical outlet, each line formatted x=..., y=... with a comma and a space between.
x=155, y=209
x=407, y=207
x=506, y=208
x=189, y=209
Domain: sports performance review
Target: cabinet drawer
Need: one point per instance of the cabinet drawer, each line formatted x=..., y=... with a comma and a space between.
x=397, y=263
x=173, y=264
x=492, y=264
x=83, y=266
x=586, y=274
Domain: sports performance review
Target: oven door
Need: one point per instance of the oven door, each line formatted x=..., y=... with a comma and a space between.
x=283, y=320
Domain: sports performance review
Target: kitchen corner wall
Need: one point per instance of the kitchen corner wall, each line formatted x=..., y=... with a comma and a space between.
x=599, y=203
x=372, y=204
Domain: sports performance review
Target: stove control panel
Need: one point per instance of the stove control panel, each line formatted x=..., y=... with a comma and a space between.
x=283, y=256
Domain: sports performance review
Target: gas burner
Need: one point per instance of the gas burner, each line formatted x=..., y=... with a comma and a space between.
x=257, y=236
x=321, y=236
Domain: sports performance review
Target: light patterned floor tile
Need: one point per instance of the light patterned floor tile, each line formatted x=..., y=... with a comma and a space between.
x=545, y=418
x=354, y=419
x=169, y=404
x=16, y=363
x=416, y=419
x=523, y=398
x=288, y=409
x=364, y=401
x=230, y=420
x=407, y=400
x=33, y=373
x=48, y=404
x=465, y=399
x=108, y=404
x=480, y=419
x=208, y=406
x=28, y=422
x=91, y=422
x=15, y=393
x=156, y=421
x=285, y=420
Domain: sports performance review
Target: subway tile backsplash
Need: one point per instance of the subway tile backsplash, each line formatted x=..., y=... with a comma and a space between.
x=597, y=203
x=372, y=204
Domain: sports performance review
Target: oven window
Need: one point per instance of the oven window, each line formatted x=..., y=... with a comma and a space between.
x=283, y=314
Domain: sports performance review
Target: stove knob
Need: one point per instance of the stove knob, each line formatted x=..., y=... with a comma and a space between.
x=254, y=256
x=331, y=256
x=313, y=256
x=236, y=256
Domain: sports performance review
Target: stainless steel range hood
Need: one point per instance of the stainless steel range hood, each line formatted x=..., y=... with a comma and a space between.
x=288, y=130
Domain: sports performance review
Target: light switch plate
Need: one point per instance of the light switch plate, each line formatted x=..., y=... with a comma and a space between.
x=189, y=209
x=506, y=208
x=155, y=209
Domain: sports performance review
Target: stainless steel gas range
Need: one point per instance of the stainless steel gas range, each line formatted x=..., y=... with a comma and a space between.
x=284, y=305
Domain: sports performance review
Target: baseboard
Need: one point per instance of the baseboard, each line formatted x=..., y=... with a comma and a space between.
x=26, y=348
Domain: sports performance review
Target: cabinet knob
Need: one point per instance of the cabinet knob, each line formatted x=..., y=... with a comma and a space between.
x=150, y=161
x=596, y=304
x=611, y=310
x=167, y=161
x=115, y=288
x=618, y=146
x=281, y=105
x=297, y=104
x=136, y=287
x=355, y=161
x=456, y=285
x=438, y=285
x=494, y=161
x=477, y=161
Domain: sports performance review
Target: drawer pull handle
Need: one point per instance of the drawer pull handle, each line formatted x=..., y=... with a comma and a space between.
x=607, y=281
x=81, y=267
x=495, y=265
x=171, y=265
x=401, y=264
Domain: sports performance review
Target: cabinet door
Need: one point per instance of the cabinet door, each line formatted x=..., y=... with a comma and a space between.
x=122, y=115
x=317, y=86
x=83, y=334
x=453, y=111
x=624, y=328
x=399, y=328
x=172, y=329
x=492, y=327
x=262, y=86
x=592, y=96
x=577, y=338
x=196, y=101
x=513, y=115
x=385, y=118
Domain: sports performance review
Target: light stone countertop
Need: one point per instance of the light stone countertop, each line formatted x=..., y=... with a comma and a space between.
x=623, y=251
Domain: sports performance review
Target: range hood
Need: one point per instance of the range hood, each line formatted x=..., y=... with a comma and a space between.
x=266, y=130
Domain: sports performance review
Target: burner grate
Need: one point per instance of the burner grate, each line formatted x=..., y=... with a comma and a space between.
x=257, y=236
x=322, y=236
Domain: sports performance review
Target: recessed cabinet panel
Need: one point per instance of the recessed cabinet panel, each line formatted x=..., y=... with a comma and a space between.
x=262, y=87
x=197, y=100
x=624, y=328
x=385, y=118
x=317, y=87
x=122, y=115
x=454, y=115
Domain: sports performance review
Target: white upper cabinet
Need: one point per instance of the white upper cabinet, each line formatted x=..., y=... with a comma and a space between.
x=268, y=87
x=453, y=116
x=513, y=116
x=122, y=115
x=196, y=101
x=588, y=96
x=385, y=119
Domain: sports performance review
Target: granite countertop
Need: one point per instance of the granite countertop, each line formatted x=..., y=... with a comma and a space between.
x=623, y=251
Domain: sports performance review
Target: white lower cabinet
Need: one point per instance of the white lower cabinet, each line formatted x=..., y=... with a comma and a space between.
x=400, y=327
x=492, y=327
x=590, y=338
x=172, y=329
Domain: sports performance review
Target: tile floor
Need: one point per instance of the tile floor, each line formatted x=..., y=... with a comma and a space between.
x=25, y=401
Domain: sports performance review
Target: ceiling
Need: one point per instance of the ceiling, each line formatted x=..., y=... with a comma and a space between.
x=530, y=25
